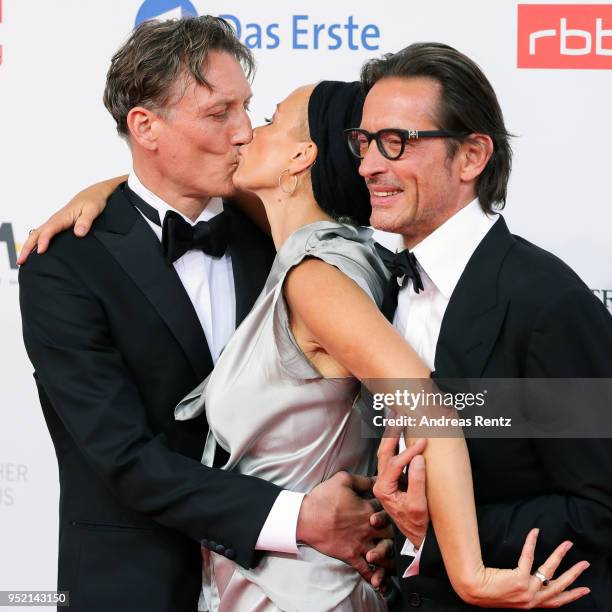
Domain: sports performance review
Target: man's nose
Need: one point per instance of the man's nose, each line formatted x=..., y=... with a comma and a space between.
x=243, y=133
x=373, y=162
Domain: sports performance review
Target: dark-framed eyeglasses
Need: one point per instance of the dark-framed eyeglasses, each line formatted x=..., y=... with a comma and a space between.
x=391, y=142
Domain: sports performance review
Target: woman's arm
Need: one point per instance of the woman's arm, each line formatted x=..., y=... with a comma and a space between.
x=364, y=342
x=526, y=592
x=89, y=203
x=80, y=212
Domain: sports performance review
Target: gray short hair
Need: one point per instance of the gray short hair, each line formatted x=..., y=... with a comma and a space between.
x=157, y=53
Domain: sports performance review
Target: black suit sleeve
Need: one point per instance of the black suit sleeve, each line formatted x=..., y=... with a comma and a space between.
x=70, y=345
x=571, y=339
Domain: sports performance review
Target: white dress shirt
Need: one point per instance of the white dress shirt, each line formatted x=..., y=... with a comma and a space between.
x=442, y=258
x=209, y=283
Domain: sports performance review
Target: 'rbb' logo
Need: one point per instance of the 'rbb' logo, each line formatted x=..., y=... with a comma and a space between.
x=565, y=36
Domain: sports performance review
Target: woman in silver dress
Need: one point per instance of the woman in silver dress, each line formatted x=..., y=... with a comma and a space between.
x=277, y=401
x=280, y=400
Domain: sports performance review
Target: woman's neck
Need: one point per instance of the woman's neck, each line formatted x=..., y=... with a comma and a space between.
x=286, y=214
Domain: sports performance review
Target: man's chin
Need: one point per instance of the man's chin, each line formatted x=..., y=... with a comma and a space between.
x=384, y=219
x=227, y=189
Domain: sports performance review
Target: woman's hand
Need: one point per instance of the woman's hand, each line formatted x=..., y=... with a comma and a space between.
x=520, y=589
x=80, y=212
x=485, y=587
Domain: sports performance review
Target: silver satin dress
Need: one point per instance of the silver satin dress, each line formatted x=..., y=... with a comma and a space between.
x=280, y=420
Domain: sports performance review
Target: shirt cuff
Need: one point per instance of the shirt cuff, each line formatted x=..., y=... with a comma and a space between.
x=278, y=533
x=409, y=549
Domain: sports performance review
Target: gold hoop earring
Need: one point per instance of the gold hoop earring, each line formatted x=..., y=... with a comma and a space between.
x=280, y=182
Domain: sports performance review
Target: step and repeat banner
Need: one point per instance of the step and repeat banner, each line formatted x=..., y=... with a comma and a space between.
x=550, y=64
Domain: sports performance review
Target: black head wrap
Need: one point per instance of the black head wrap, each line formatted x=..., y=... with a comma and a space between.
x=339, y=190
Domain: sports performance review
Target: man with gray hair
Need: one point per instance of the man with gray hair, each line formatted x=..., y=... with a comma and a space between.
x=122, y=324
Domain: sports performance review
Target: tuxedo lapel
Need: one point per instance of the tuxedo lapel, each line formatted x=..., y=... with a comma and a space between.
x=131, y=242
x=251, y=259
x=384, y=253
x=475, y=313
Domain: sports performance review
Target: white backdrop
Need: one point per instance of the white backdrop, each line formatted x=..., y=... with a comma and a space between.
x=56, y=137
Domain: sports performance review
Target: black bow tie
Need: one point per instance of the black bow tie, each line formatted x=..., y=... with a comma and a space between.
x=178, y=236
x=403, y=266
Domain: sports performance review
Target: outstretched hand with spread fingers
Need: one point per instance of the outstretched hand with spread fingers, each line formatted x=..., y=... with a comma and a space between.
x=521, y=588
x=525, y=588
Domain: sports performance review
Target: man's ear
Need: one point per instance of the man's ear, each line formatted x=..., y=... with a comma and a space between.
x=475, y=153
x=304, y=157
x=142, y=124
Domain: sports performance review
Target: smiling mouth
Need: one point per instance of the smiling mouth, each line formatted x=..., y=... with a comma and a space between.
x=385, y=194
x=382, y=196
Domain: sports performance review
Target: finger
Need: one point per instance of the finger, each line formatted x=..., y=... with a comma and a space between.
x=28, y=246
x=417, y=478
x=396, y=465
x=557, y=586
x=381, y=534
x=57, y=223
x=363, y=568
x=383, y=551
x=361, y=484
x=549, y=567
x=564, y=598
x=44, y=238
x=525, y=562
x=419, y=446
x=378, y=578
x=84, y=220
x=380, y=519
x=386, y=564
x=386, y=450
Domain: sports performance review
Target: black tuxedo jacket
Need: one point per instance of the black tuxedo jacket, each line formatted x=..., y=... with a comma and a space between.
x=520, y=312
x=116, y=343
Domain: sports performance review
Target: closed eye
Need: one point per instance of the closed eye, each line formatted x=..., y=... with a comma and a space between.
x=220, y=116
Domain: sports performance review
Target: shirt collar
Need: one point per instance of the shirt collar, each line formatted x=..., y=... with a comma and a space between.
x=213, y=208
x=444, y=254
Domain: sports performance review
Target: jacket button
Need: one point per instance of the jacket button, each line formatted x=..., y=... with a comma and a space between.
x=230, y=553
x=220, y=549
x=212, y=544
x=415, y=600
x=204, y=543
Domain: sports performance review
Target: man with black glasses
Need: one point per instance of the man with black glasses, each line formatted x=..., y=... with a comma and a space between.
x=481, y=302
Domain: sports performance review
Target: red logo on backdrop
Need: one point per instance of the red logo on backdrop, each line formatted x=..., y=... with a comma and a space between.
x=565, y=36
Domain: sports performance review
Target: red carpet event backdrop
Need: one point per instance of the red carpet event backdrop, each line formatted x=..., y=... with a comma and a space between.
x=550, y=64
